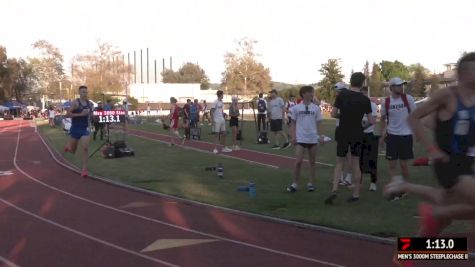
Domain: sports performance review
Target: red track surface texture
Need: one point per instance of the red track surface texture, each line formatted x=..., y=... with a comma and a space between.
x=50, y=216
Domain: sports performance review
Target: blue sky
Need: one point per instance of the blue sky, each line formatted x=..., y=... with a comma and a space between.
x=294, y=36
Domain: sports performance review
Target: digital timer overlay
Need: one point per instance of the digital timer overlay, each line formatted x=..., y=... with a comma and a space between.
x=418, y=248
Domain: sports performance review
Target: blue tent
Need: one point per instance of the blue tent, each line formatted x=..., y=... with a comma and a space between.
x=14, y=104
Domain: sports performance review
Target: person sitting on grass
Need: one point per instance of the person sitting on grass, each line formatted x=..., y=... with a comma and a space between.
x=234, y=120
x=305, y=127
x=219, y=123
x=174, y=122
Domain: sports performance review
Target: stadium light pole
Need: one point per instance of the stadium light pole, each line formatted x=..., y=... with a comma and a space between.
x=147, y=68
x=141, y=67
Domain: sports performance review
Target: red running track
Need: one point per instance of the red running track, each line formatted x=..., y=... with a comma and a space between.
x=50, y=216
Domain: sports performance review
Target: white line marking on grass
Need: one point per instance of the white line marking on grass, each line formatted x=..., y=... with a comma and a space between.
x=165, y=223
x=242, y=149
x=206, y=151
x=7, y=262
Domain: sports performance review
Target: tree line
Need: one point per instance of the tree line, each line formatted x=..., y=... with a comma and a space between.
x=104, y=70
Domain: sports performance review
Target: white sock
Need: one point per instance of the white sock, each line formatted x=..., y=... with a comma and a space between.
x=294, y=185
x=309, y=184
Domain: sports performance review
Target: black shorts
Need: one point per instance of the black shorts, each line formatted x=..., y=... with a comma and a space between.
x=306, y=145
x=276, y=125
x=346, y=143
x=234, y=121
x=354, y=146
x=399, y=147
x=448, y=173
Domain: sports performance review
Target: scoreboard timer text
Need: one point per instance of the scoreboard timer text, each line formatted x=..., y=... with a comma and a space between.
x=420, y=248
x=109, y=116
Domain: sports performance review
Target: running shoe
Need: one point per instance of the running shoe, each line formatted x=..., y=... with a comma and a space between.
x=291, y=189
x=342, y=182
x=353, y=199
x=286, y=145
x=276, y=147
x=84, y=173
x=393, y=189
x=429, y=224
x=226, y=150
x=310, y=188
x=66, y=149
x=215, y=151
x=236, y=148
x=372, y=187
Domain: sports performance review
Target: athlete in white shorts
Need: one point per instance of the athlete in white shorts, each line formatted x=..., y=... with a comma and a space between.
x=219, y=123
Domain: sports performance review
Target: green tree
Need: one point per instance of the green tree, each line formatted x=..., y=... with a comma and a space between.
x=103, y=71
x=24, y=80
x=434, y=83
x=394, y=69
x=366, y=73
x=418, y=80
x=376, y=81
x=419, y=76
x=188, y=73
x=48, y=67
x=3, y=72
x=331, y=72
x=243, y=73
x=285, y=94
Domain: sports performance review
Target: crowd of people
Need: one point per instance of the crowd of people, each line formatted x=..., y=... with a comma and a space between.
x=449, y=115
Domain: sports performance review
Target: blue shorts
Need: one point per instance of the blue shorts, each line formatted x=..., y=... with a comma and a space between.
x=77, y=133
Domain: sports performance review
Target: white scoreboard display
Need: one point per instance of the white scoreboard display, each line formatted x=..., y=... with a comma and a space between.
x=109, y=116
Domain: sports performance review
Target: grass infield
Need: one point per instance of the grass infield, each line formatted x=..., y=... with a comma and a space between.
x=181, y=172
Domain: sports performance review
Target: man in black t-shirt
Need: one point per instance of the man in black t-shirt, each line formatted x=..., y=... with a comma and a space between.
x=350, y=107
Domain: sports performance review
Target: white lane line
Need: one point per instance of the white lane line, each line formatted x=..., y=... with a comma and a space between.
x=165, y=223
x=243, y=149
x=207, y=152
x=86, y=235
x=7, y=262
x=70, y=229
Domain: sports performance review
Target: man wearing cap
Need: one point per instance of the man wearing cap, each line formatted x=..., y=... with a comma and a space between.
x=276, y=115
x=395, y=129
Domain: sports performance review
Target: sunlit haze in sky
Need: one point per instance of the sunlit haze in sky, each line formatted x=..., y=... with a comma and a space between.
x=294, y=36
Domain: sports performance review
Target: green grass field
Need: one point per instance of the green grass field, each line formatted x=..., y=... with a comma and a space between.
x=180, y=172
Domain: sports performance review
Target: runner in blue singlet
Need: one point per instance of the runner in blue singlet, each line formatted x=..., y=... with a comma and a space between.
x=80, y=113
x=452, y=152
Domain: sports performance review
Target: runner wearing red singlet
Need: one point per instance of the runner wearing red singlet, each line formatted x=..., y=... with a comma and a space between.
x=174, y=122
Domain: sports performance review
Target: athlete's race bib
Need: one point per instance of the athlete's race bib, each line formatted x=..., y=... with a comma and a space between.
x=462, y=127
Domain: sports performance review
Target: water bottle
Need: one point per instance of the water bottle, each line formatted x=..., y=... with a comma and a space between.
x=243, y=189
x=252, y=189
x=220, y=170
